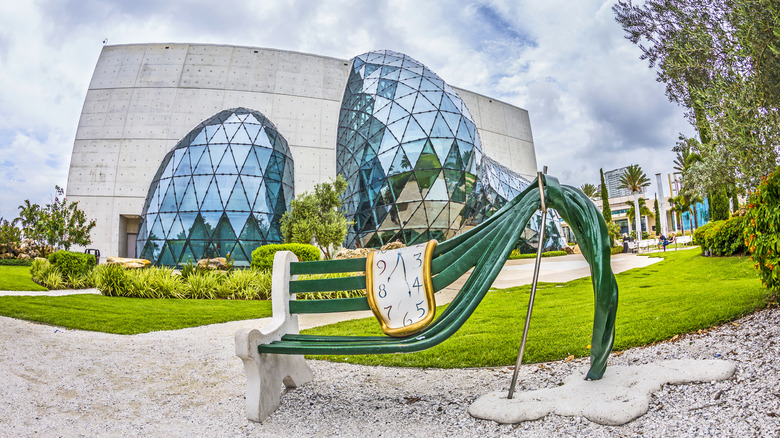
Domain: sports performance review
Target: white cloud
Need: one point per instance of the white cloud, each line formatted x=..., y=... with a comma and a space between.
x=593, y=103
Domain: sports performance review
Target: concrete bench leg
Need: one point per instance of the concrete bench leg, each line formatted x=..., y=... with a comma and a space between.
x=265, y=374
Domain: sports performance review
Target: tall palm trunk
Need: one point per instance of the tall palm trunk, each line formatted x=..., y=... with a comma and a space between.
x=637, y=217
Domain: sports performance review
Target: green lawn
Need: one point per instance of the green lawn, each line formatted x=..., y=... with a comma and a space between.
x=681, y=294
x=128, y=316
x=17, y=278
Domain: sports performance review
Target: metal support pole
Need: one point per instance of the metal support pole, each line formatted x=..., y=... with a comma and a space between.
x=533, y=287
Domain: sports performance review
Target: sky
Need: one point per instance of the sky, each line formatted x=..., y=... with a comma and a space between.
x=592, y=102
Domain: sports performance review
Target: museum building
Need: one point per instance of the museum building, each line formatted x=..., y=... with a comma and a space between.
x=191, y=150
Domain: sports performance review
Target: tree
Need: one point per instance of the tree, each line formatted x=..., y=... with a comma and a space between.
x=678, y=206
x=316, y=216
x=589, y=190
x=720, y=60
x=657, y=217
x=10, y=236
x=643, y=210
x=634, y=180
x=719, y=205
x=605, y=210
x=59, y=224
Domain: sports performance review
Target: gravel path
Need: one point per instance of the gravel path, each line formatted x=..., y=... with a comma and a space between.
x=56, y=382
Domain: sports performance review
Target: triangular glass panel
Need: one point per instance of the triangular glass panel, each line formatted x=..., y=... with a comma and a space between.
x=184, y=165
x=263, y=156
x=407, y=102
x=198, y=248
x=216, y=152
x=195, y=154
x=262, y=202
x=201, y=184
x=180, y=185
x=453, y=121
x=264, y=140
x=176, y=247
x=252, y=131
x=238, y=201
x=410, y=191
x=442, y=218
x=427, y=85
x=251, y=166
x=438, y=191
x=251, y=230
x=225, y=183
x=453, y=158
x=413, y=150
x=187, y=220
x=465, y=131
x=240, y=152
x=237, y=220
x=251, y=186
x=428, y=158
x=442, y=147
x=227, y=165
x=233, y=119
x=434, y=97
x=186, y=255
x=398, y=127
x=157, y=230
x=425, y=121
x=168, y=203
x=400, y=164
x=447, y=105
x=230, y=130
x=425, y=179
x=422, y=105
x=440, y=128
x=211, y=201
x=204, y=166
x=177, y=230
x=223, y=231
x=241, y=137
x=165, y=257
x=397, y=112
x=219, y=137
x=211, y=220
x=200, y=139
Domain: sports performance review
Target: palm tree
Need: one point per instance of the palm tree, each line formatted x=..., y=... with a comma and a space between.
x=685, y=157
x=643, y=210
x=634, y=180
x=679, y=205
x=590, y=191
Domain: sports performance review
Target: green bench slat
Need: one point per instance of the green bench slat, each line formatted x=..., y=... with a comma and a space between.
x=329, y=306
x=328, y=266
x=328, y=284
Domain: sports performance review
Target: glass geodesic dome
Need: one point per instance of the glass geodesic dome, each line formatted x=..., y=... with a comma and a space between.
x=409, y=150
x=221, y=190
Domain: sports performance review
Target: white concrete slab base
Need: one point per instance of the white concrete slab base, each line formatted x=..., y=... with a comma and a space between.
x=622, y=395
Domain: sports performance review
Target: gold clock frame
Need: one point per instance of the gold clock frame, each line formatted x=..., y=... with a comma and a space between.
x=427, y=287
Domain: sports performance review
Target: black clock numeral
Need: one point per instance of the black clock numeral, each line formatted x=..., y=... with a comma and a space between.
x=407, y=321
x=417, y=284
x=418, y=257
x=422, y=310
x=382, y=291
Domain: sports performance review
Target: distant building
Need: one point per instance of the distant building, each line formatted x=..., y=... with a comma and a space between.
x=612, y=179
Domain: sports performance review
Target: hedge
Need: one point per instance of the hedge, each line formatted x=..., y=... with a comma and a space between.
x=263, y=257
x=72, y=264
x=721, y=238
x=15, y=262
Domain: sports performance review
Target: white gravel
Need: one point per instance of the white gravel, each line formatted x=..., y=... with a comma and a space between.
x=56, y=382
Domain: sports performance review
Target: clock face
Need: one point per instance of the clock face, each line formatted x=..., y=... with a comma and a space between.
x=399, y=289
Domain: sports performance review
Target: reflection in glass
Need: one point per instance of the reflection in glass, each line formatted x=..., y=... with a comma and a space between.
x=222, y=189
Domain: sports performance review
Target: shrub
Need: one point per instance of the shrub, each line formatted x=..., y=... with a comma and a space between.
x=203, y=286
x=515, y=254
x=616, y=250
x=249, y=284
x=112, y=280
x=15, y=262
x=762, y=229
x=263, y=257
x=354, y=293
x=729, y=240
x=72, y=264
